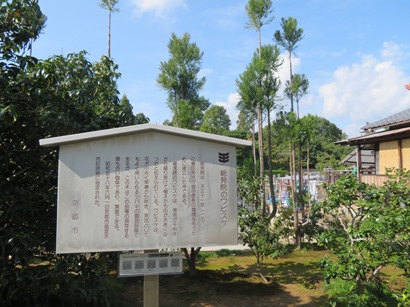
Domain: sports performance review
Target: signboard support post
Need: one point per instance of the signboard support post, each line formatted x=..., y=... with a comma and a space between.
x=151, y=287
x=151, y=290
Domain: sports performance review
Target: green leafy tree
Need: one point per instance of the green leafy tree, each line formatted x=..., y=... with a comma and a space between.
x=368, y=229
x=317, y=135
x=298, y=89
x=38, y=99
x=127, y=115
x=250, y=89
x=56, y=96
x=179, y=77
x=318, y=140
x=270, y=57
x=109, y=5
x=258, y=86
x=21, y=23
x=247, y=108
x=140, y=118
x=126, y=111
x=255, y=228
x=289, y=38
x=259, y=14
x=244, y=122
x=216, y=120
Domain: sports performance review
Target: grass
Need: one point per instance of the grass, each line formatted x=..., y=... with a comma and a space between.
x=230, y=278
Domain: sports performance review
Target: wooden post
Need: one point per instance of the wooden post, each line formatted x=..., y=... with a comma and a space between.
x=358, y=161
x=151, y=290
x=151, y=287
x=400, y=149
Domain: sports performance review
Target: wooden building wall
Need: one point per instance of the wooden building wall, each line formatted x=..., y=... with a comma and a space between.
x=394, y=154
x=405, y=145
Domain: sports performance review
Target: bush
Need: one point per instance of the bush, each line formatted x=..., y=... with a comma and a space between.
x=69, y=281
x=344, y=293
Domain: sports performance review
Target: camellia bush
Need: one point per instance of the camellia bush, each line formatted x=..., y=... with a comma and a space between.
x=38, y=99
x=368, y=228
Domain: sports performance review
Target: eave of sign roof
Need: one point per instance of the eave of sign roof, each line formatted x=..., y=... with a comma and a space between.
x=115, y=132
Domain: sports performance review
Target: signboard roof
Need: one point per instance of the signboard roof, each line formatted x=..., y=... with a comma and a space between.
x=115, y=132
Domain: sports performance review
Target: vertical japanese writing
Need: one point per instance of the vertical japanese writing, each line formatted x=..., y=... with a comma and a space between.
x=224, y=196
x=151, y=196
x=174, y=222
x=174, y=198
x=107, y=199
x=117, y=193
x=193, y=196
x=202, y=197
x=146, y=227
x=127, y=197
x=184, y=183
x=75, y=217
x=97, y=181
x=156, y=198
x=136, y=197
x=165, y=196
x=146, y=196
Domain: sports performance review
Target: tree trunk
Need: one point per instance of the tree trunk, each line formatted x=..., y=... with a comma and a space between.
x=271, y=186
x=191, y=259
x=291, y=82
x=109, y=34
x=295, y=198
x=260, y=140
x=254, y=145
x=300, y=170
x=261, y=162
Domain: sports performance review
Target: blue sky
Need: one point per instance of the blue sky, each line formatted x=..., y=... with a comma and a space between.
x=355, y=53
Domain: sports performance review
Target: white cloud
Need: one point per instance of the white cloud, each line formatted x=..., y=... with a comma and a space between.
x=284, y=70
x=366, y=91
x=393, y=51
x=230, y=106
x=158, y=7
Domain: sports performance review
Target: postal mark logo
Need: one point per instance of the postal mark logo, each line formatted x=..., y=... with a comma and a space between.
x=223, y=157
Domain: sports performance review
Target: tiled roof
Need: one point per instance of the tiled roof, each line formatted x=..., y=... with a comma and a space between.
x=374, y=138
x=392, y=120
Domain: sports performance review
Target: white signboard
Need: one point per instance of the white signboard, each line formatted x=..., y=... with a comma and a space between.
x=150, y=264
x=148, y=190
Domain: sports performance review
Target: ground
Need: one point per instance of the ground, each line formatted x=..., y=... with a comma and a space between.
x=233, y=281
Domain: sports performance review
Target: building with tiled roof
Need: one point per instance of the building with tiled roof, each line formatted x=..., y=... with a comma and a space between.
x=383, y=144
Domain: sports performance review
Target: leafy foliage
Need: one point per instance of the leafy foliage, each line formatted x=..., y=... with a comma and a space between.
x=41, y=98
x=368, y=230
x=179, y=77
x=256, y=232
x=259, y=13
x=344, y=293
x=256, y=229
x=317, y=135
x=21, y=23
x=216, y=120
